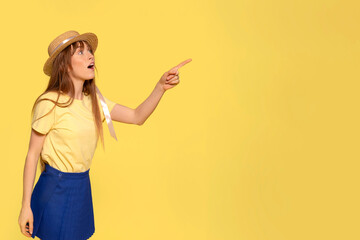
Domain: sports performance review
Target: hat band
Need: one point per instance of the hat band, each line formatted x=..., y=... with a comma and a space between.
x=62, y=43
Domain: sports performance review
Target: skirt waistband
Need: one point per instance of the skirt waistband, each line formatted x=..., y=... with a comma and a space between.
x=54, y=171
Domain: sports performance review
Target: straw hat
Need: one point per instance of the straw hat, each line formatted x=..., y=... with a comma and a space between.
x=64, y=40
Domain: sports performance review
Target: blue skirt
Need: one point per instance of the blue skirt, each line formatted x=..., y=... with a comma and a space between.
x=62, y=206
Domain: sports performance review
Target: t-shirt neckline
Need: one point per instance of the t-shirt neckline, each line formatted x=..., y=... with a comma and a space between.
x=75, y=99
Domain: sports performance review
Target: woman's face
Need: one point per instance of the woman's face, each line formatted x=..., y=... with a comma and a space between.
x=80, y=62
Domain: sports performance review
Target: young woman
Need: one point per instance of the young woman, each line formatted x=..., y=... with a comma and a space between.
x=66, y=124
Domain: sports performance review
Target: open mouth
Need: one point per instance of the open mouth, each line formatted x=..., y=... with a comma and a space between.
x=91, y=66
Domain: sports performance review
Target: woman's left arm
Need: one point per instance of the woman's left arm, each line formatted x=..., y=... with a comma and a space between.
x=139, y=115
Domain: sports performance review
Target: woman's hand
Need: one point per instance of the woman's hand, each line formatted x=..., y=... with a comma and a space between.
x=26, y=221
x=171, y=78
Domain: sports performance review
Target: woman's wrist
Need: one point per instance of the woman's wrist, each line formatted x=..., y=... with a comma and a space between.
x=25, y=204
x=160, y=88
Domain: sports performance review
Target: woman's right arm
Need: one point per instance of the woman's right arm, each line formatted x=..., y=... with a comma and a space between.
x=35, y=147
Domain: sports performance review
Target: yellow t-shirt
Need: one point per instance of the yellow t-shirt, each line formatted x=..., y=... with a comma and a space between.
x=71, y=140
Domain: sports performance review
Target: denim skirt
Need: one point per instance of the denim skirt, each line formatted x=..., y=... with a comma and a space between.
x=62, y=205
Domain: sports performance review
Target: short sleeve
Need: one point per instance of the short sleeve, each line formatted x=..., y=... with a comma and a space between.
x=44, y=124
x=110, y=104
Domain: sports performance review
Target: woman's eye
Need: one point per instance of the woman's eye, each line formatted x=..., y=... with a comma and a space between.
x=80, y=51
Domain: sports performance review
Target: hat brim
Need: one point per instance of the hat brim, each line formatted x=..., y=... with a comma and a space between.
x=91, y=38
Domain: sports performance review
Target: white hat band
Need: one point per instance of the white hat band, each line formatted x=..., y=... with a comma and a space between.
x=62, y=43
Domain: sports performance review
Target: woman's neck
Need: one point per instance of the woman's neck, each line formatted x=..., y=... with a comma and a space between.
x=78, y=85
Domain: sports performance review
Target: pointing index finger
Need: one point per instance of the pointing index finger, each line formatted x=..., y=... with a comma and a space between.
x=183, y=63
x=174, y=69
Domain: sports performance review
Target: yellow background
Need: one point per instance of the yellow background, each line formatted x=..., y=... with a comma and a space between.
x=258, y=141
